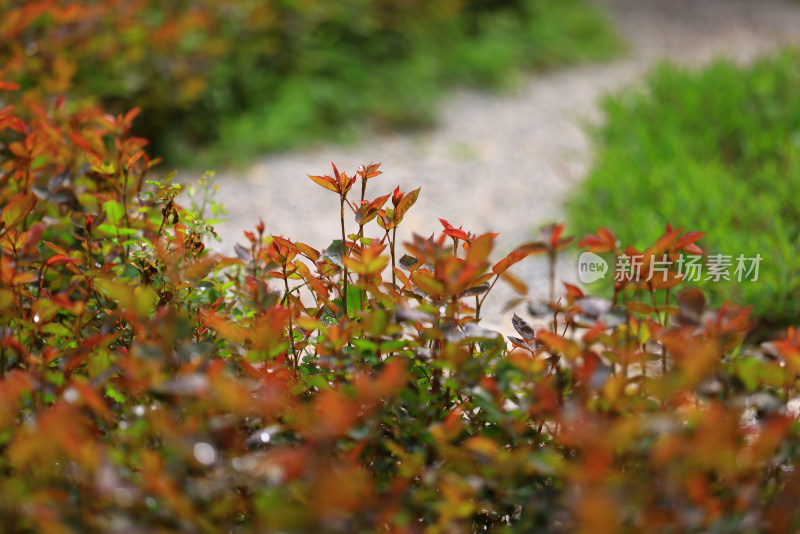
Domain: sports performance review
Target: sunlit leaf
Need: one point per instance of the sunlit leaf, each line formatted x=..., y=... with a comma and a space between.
x=17, y=209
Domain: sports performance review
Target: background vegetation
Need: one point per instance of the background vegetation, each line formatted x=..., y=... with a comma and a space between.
x=719, y=149
x=245, y=77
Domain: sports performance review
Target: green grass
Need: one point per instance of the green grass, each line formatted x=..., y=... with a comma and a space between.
x=715, y=151
x=338, y=88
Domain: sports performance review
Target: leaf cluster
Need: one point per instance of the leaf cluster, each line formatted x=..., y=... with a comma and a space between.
x=148, y=385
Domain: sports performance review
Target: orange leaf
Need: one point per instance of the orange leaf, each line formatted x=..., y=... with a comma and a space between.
x=17, y=209
x=479, y=250
x=405, y=204
x=513, y=257
x=132, y=115
x=640, y=307
x=535, y=247
x=325, y=181
x=307, y=251
x=133, y=159
x=93, y=400
x=282, y=241
x=518, y=285
x=604, y=241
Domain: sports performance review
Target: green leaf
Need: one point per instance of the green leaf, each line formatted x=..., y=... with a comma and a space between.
x=114, y=211
x=355, y=299
x=335, y=252
x=115, y=395
x=111, y=230
x=57, y=329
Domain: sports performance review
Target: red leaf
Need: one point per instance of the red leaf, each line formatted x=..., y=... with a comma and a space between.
x=457, y=233
x=60, y=259
x=557, y=230
x=604, y=241
x=573, y=292
x=687, y=242
x=372, y=170
x=8, y=86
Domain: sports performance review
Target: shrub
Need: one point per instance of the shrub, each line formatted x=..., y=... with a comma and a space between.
x=717, y=149
x=254, y=76
x=148, y=385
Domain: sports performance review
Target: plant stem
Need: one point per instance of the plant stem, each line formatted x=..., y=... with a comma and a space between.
x=344, y=244
x=125, y=209
x=287, y=303
x=496, y=278
x=88, y=248
x=551, y=272
x=391, y=250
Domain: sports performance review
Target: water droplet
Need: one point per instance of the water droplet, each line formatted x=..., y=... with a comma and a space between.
x=123, y=425
x=70, y=395
x=139, y=410
x=36, y=318
x=264, y=436
x=204, y=453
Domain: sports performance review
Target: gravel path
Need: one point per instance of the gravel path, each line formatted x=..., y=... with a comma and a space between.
x=504, y=163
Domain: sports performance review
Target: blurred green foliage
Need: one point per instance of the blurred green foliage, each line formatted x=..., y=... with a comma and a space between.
x=245, y=77
x=718, y=149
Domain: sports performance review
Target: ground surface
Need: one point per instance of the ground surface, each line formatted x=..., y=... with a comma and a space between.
x=503, y=163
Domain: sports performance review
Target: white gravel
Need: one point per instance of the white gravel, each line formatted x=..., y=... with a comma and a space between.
x=503, y=163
